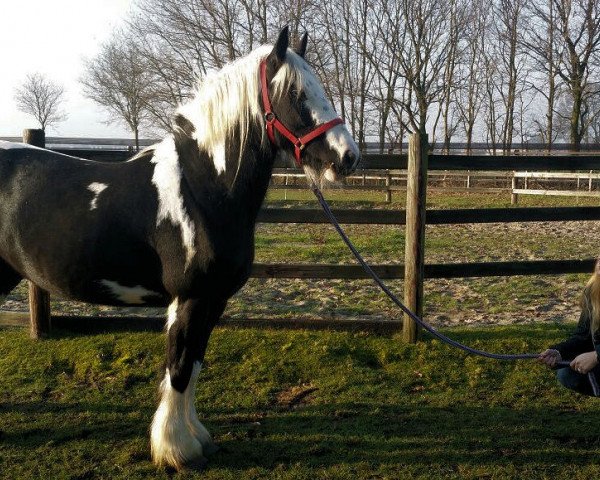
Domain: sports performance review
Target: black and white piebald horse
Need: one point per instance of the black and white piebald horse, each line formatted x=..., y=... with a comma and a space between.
x=174, y=225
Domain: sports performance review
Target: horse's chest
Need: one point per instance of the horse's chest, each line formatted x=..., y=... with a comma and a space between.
x=233, y=264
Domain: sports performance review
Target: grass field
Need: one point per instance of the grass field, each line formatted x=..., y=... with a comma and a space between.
x=298, y=405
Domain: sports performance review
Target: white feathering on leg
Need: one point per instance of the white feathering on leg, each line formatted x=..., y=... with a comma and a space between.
x=198, y=430
x=171, y=438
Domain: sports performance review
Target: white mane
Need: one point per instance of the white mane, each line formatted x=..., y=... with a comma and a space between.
x=229, y=98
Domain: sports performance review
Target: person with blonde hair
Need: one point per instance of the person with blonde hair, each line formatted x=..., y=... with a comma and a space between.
x=583, y=347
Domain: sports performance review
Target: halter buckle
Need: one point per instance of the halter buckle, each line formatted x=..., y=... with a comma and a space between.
x=270, y=117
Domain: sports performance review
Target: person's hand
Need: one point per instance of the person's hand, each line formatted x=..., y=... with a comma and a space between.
x=550, y=357
x=585, y=362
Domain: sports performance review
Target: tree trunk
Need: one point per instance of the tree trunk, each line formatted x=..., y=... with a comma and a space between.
x=575, y=133
x=137, y=139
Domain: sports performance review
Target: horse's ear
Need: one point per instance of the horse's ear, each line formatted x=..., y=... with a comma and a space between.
x=301, y=48
x=282, y=43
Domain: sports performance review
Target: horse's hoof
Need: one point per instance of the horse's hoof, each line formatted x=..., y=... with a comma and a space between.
x=196, y=465
x=210, y=449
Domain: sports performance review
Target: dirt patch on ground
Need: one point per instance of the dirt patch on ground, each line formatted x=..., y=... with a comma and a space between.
x=295, y=396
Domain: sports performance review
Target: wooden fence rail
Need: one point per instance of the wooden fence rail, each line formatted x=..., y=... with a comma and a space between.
x=434, y=217
x=431, y=271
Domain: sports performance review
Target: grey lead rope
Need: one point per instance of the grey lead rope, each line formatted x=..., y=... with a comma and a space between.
x=419, y=321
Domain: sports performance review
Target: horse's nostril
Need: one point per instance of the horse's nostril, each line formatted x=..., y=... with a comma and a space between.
x=349, y=161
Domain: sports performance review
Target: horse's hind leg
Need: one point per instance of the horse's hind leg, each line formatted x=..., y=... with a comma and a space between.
x=178, y=438
x=9, y=279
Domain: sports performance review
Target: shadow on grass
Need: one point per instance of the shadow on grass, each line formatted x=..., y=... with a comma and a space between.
x=352, y=433
x=319, y=436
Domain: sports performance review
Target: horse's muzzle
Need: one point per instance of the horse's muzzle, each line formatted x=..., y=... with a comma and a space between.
x=349, y=162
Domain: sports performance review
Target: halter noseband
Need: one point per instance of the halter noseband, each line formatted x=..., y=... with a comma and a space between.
x=273, y=123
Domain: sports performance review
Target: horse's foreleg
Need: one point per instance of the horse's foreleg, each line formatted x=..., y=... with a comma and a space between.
x=178, y=438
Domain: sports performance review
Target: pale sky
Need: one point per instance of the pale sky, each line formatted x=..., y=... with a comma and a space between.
x=53, y=37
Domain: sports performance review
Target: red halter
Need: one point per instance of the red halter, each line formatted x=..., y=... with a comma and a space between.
x=272, y=122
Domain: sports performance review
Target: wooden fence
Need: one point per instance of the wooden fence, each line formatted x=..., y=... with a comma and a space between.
x=394, y=182
x=432, y=163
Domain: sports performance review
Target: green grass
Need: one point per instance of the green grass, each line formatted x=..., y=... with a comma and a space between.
x=298, y=405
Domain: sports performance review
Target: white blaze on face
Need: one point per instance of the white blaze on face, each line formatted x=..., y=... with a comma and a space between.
x=129, y=295
x=96, y=188
x=167, y=179
x=322, y=111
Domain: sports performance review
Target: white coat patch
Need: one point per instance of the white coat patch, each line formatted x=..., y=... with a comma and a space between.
x=172, y=313
x=218, y=156
x=129, y=295
x=167, y=179
x=96, y=188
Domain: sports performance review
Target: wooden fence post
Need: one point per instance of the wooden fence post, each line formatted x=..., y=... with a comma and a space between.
x=414, y=250
x=388, y=183
x=39, y=300
x=514, y=198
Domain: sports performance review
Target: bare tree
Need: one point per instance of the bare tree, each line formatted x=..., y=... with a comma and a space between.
x=540, y=41
x=394, y=66
x=41, y=98
x=578, y=24
x=379, y=47
x=179, y=41
x=455, y=34
x=511, y=62
x=347, y=71
x=119, y=82
x=491, y=105
x=471, y=69
x=594, y=120
x=422, y=48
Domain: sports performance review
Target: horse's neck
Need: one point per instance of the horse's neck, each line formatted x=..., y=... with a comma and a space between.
x=239, y=191
x=250, y=182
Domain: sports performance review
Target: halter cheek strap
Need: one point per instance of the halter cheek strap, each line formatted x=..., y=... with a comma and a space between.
x=273, y=123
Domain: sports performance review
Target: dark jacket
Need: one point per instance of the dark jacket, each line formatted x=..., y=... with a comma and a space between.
x=581, y=341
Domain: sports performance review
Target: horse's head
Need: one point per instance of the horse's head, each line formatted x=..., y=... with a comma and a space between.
x=303, y=122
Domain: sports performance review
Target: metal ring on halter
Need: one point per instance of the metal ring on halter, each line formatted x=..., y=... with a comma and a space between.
x=270, y=117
